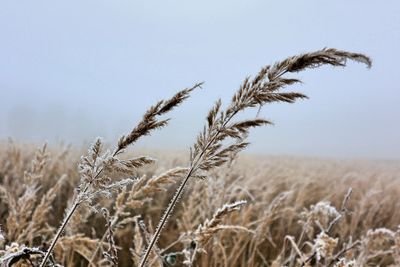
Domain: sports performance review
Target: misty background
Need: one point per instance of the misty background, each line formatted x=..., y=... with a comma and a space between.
x=74, y=70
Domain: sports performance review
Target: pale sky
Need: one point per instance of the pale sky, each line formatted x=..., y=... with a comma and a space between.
x=74, y=70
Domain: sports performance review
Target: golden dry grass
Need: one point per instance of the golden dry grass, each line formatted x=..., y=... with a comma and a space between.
x=282, y=194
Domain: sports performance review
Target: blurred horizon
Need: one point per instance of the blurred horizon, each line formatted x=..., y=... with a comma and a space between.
x=71, y=71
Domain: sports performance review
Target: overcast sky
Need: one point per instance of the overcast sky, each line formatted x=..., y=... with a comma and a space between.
x=74, y=70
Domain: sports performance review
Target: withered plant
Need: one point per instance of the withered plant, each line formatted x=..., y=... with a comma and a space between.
x=238, y=210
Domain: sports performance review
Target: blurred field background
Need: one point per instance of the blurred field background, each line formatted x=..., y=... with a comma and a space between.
x=281, y=191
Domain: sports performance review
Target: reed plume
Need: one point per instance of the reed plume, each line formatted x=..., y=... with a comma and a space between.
x=210, y=151
x=97, y=168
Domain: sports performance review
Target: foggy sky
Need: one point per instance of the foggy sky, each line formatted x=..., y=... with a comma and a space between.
x=74, y=70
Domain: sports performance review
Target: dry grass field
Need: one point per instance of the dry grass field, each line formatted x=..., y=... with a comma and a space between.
x=290, y=202
x=114, y=206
